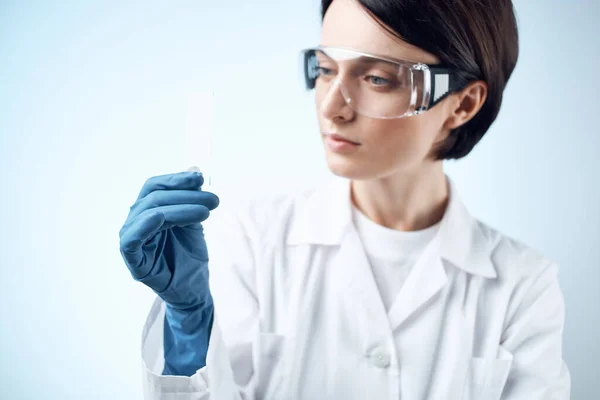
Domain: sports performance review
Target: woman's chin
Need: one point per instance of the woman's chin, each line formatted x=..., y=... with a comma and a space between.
x=347, y=169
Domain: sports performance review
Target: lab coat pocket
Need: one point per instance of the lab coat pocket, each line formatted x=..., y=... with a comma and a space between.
x=269, y=365
x=487, y=376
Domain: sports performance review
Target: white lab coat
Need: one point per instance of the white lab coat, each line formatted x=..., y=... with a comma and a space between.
x=299, y=316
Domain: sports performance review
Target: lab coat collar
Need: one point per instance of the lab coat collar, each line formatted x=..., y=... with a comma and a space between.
x=326, y=216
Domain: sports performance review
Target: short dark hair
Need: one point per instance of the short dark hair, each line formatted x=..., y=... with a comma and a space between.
x=477, y=37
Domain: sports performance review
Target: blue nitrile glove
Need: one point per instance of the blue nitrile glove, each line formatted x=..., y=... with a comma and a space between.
x=162, y=243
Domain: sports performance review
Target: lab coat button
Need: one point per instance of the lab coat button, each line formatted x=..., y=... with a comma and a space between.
x=380, y=357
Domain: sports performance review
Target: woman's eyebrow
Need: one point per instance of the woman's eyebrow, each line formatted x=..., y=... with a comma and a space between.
x=362, y=60
x=372, y=61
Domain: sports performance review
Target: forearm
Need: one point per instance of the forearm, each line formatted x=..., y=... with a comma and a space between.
x=186, y=339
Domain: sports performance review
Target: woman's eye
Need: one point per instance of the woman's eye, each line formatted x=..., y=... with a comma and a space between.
x=325, y=71
x=377, y=80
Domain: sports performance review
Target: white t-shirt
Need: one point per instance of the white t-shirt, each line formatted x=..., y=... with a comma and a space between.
x=391, y=253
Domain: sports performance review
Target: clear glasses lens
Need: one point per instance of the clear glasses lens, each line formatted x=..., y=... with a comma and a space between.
x=371, y=86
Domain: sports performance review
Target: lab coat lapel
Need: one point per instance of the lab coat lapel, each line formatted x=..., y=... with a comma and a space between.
x=325, y=219
x=357, y=281
x=426, y=279
x=459, y=243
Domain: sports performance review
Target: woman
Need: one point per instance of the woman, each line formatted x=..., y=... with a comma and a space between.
x=380, y=285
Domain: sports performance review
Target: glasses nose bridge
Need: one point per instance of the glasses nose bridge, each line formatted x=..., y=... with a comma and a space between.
x=337, y=87
x=331, y=103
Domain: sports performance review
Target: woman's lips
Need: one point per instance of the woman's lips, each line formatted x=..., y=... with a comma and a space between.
x=339, y=144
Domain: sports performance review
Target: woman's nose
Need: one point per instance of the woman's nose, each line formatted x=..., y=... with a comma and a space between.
x=334, y=104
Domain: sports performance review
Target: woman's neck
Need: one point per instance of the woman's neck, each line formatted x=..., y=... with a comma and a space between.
x=405, y=202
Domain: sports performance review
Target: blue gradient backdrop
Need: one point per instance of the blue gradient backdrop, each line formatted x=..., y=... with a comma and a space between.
x=92, y=102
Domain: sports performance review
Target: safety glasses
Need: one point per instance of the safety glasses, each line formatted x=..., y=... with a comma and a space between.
x=374, y=86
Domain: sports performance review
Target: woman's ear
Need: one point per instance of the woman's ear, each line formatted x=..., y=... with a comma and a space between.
x=468, y=103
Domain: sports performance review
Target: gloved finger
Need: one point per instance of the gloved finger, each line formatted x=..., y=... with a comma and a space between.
x=139, y=231
x=134, y=235
x=178, y=181
x=162, y=198
x=142, y=228
x=183, y=215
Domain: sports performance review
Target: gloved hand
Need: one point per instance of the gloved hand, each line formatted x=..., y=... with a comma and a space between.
x=162, y=243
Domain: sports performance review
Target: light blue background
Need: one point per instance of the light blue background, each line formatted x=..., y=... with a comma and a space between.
x=92, y=102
